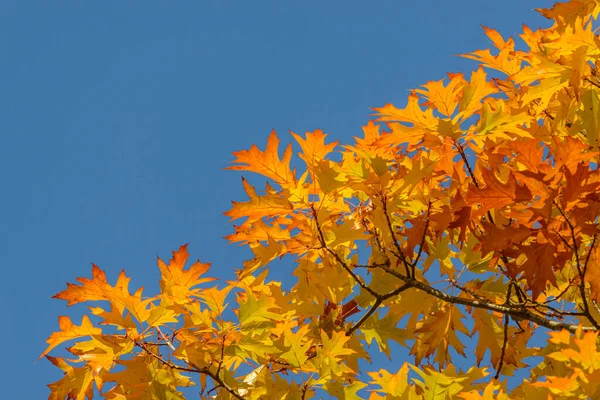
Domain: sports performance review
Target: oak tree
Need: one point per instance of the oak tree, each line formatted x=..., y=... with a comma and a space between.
x=472, y=212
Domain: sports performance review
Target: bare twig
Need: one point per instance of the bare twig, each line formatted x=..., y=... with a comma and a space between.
x=414, y=263
x=504, y=345
x=165, y=338
x=461, y=151
x=408, y=267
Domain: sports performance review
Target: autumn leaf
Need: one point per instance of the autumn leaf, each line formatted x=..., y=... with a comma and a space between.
x=446, y=384
x=96, y=289
x=70, y=331
x=254, y=310
x=381, y=330
x=497, y=194
x=269, y=205
x=267, y=162
x=474, y=92
x=76, y=383
x=313, y=147
x=298, y=346
x=176, y=281
x=442, y=97
x=396, y=384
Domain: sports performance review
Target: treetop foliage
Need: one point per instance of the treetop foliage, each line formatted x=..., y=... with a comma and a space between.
x=470, y=216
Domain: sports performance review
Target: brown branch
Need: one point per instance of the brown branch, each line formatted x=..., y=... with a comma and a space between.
x=461, y=151
x=414, y=263
x=380, y=299
x=592, y=82
x=589, y=254
x=370, y=266
x=400, y=254
x=564, y=240
x=305, y=387
x=561, y=294
x=515, y=312
x=556, y=311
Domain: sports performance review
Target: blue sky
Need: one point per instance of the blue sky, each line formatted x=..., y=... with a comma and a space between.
x=117, y=119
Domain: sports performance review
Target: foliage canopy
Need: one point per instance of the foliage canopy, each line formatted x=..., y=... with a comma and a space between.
x=471, y=212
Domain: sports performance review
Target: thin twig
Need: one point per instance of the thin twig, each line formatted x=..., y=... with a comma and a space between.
x=504, y=345
x=469, y=291
x=414, y=263
x=400, y=254
x=165, y=338
x=222, y=354
x=338, y=258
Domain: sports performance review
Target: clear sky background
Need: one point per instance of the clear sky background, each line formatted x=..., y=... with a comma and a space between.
x=117, y=119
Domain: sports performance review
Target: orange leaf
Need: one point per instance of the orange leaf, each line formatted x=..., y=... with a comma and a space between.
x=267, y=162
x=313, y=147
x=443, y=98
x=178, y=282
x=496, y=194
x=592, y=275
x=474, y=92
x=96, y=289
x=70, y=331
x=412, y=114
x=270, y=205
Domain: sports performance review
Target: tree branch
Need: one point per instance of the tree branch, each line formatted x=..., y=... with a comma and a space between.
x=515, y=312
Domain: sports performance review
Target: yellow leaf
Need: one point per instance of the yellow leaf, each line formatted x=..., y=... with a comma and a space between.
x=253, y=310
x=298, y=346
x=472, y=94
x=75, y=385
x=382, y=330
x=448, y=383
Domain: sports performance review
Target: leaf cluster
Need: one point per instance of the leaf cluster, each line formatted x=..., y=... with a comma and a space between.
x=471, y=212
